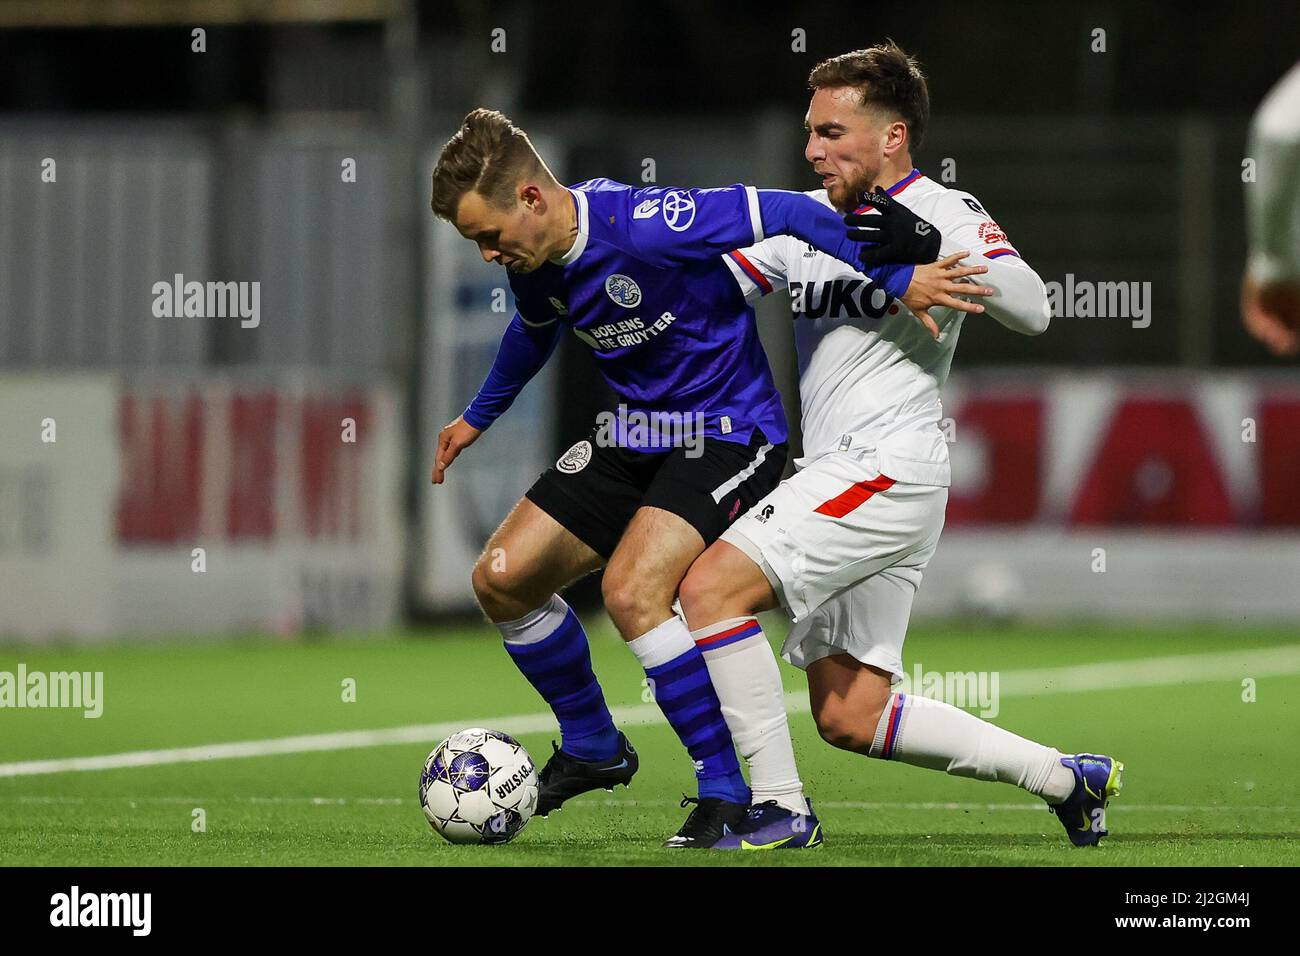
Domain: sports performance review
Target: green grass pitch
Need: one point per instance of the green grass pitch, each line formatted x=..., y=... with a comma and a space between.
x=1211, y=779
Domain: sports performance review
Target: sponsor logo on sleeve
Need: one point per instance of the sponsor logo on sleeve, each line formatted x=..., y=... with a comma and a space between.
x=991, y=233
x=679, y=210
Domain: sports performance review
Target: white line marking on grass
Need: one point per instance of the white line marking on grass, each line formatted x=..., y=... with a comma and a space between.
x=1110, y=675
x=1036, y=806
x=312, y=743
x=595, y=804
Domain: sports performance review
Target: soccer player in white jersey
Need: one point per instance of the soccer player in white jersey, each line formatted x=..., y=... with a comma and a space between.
x=842, y=544
x=1270, y=290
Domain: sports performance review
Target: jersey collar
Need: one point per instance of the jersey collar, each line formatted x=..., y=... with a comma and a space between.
x=903, y=183
x=580, y=243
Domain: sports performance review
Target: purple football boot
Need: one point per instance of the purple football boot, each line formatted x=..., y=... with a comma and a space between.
x=769, y=826
x=1083, y=812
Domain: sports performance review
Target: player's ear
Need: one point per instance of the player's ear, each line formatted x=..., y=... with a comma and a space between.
x=530, y=194
x=897, y=137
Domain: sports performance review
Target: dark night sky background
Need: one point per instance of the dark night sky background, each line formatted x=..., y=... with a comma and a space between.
x=695, y=57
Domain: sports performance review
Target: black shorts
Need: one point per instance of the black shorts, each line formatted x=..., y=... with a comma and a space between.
x=594, y=490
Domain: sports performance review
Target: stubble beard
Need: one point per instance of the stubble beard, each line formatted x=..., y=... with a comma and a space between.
x=848, y=200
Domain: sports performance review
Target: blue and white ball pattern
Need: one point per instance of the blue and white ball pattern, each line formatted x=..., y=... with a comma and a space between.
x=478, y=786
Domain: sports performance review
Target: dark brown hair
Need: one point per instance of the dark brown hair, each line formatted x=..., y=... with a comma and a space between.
x=489, y=154
x=886, y=77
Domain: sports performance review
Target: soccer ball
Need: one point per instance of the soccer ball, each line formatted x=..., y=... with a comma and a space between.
x=478, y=786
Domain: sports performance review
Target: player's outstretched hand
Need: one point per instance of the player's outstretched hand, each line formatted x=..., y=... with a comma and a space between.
x=939, y=284
x=897, y=236
x=456, y=436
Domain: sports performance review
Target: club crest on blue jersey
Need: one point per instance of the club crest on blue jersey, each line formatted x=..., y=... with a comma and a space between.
x=575, y=459
x=623, y=291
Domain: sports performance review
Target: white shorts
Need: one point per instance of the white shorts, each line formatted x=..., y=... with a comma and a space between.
x=843, y=548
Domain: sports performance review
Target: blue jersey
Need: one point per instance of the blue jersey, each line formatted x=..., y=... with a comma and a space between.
x=644, y=287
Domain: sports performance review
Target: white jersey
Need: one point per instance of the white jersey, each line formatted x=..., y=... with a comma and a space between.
x=869, y=372
x=1273, y=200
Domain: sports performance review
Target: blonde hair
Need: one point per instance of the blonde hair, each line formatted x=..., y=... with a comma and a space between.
x=488, y=155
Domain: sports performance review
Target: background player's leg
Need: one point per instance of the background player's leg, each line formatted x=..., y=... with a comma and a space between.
x=640, y=583
x=722, y=592
x=528, y=559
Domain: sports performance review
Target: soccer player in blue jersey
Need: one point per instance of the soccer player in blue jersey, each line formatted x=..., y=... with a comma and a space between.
x=636, y=274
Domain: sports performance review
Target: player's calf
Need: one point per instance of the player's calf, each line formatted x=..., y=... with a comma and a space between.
x=848, y=698
x=938, y=736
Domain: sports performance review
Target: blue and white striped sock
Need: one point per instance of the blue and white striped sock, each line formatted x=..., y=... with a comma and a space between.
x=550, y=648
x=682, y=689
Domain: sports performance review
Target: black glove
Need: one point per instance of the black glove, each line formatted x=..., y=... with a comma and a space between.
x=896, y=236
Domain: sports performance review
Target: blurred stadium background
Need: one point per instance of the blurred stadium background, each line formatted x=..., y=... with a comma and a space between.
x=1168, y=454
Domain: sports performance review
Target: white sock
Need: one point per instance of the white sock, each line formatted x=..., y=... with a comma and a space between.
x=929, y=733
x=662, y=644
x=536, y=625
x=745, y=675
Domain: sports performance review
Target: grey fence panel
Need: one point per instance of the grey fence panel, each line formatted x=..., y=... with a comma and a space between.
x=317, y=245
x=129, y=206
x=137, y=203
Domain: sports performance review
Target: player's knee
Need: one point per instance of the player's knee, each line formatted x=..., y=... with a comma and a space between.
x=629, y=601
x=701, y=593
x=842, y=727
x=498, y=590
x=709, y=591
